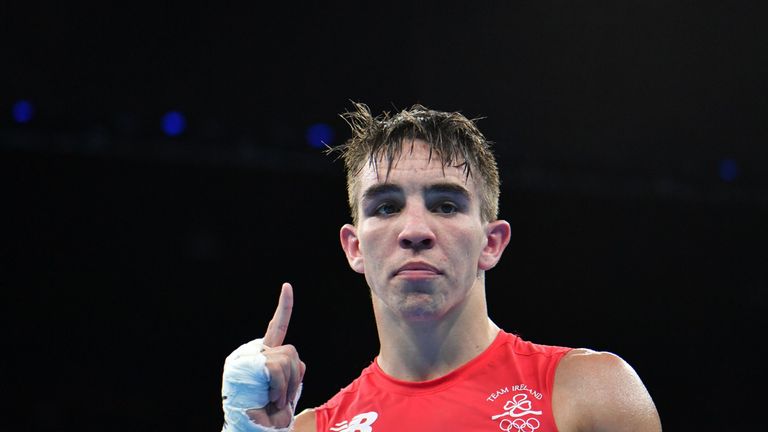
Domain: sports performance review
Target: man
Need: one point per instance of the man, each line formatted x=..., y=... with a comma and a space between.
x=423, y=190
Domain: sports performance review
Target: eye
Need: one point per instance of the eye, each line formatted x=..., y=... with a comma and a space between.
x=386, y=209
x=445, y=207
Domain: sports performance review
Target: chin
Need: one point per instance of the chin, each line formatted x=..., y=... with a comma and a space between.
x=420, y=308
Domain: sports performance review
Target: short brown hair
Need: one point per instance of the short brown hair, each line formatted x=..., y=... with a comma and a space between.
x=455, y=139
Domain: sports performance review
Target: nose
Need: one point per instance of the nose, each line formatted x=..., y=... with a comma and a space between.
x=416, y=233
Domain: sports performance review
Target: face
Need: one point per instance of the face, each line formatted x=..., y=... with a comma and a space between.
x=420, y=240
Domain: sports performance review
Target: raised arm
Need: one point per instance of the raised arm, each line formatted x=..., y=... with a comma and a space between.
x=598, y=391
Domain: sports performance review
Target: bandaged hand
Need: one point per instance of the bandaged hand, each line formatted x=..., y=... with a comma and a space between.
x=261, y=383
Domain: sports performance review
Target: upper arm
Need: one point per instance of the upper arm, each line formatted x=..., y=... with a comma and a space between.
x=598, y=391
x=305, y=421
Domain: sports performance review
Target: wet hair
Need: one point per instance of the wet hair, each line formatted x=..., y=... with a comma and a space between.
x=454, y=139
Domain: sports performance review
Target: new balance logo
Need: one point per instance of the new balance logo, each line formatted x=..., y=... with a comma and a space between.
x=359, y=423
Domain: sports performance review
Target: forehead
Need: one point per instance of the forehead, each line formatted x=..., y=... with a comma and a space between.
x=414, y=167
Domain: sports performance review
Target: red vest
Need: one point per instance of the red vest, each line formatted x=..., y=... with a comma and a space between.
x=508, y=387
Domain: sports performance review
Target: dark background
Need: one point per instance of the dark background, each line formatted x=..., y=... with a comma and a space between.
x=631, y=138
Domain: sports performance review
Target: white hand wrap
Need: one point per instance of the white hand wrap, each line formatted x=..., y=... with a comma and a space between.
x=245, y=385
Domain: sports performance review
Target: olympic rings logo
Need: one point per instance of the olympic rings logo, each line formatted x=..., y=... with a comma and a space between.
x=520, y=425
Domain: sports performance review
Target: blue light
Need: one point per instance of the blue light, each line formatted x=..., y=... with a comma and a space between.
x=23, y=111
x=174, y=123
x=319, y=135
x=728, y=170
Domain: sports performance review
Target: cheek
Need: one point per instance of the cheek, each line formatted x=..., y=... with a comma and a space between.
x=372, y=247
x=471, y=246
x=475, y=239
x=372, y=236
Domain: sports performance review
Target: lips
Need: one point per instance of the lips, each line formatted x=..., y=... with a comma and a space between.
x=416, y=269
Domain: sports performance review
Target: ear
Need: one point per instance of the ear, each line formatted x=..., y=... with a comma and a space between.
x=497, y=235
x=351, y=245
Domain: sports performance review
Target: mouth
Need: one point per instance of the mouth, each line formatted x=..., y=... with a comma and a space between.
x=417, y=270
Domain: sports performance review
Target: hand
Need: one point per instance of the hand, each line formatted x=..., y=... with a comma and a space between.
x=286, y=371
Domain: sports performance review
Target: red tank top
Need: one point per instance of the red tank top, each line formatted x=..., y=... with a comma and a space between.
x=508, y=387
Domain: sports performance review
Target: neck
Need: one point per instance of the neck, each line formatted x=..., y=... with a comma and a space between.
x=428, y=349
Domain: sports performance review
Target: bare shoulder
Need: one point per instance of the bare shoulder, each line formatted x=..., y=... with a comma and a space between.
x=599, y=391
x=305, y=421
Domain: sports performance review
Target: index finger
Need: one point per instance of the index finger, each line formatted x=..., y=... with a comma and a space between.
x=278, y=326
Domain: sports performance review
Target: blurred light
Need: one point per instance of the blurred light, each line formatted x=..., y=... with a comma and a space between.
x=319, y=135
x=728, y=170
x=23, y=111
x=174, y=123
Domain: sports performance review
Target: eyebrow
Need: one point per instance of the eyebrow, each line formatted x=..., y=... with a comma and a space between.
x=449, y=188
x=380, y=189
x=388, y=188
